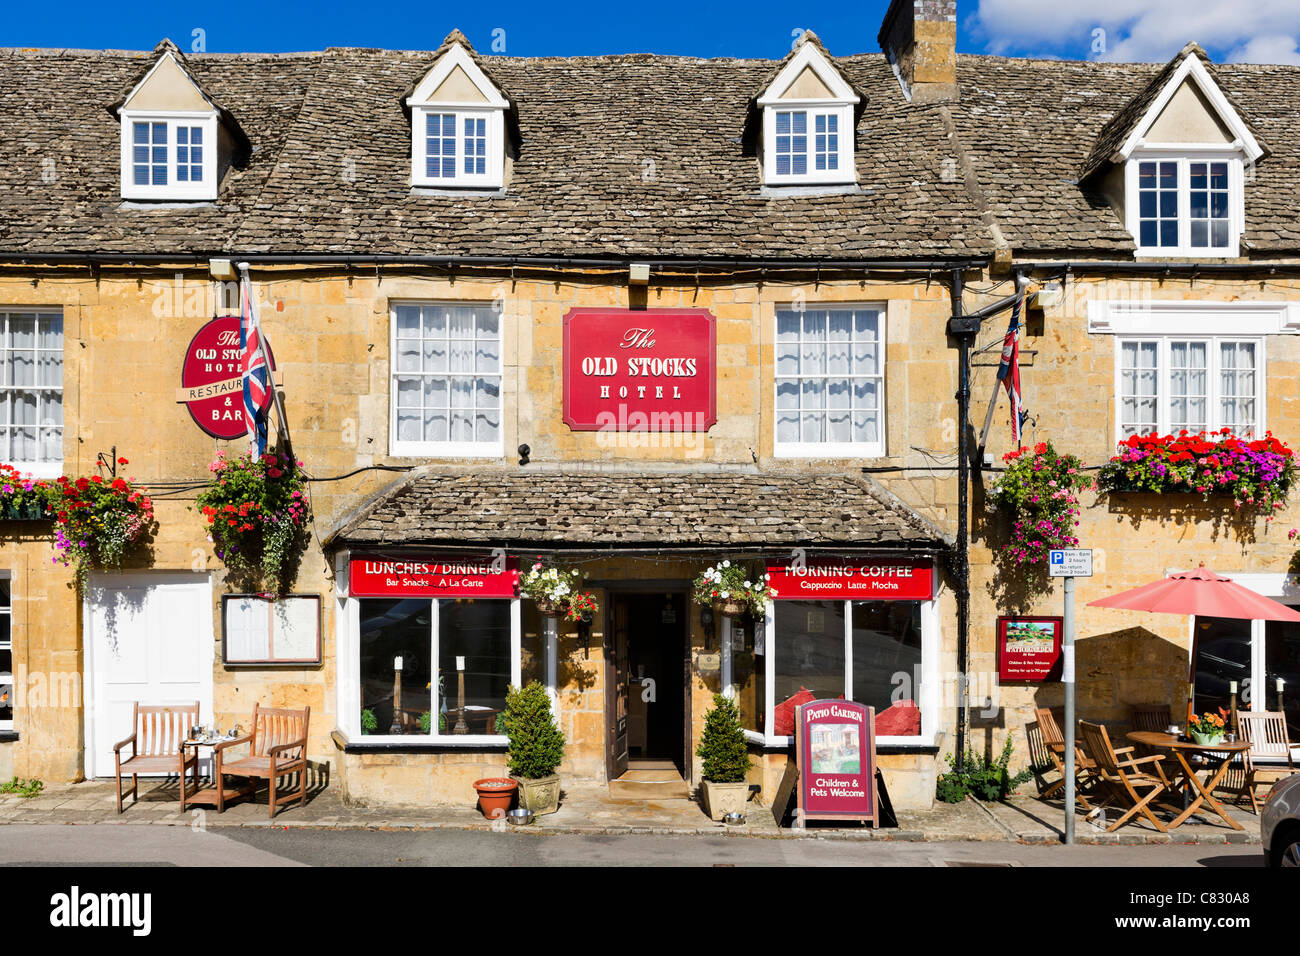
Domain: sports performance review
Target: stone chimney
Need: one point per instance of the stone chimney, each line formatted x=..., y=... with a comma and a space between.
x=920, y=39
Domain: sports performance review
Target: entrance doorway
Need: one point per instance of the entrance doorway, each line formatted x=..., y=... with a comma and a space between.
x=647, y=667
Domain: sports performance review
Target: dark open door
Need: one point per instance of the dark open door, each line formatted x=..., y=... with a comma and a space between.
x=616, y=688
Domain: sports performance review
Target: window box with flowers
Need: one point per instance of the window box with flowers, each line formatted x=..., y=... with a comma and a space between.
x=98, y=520
x=1256, y=473
x=256, y=511
x=22, y=497
x=1038, y=493
x=557, y=592
x=734, y=589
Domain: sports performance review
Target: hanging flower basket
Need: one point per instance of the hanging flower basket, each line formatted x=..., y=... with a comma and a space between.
x=733, y=589
x=557, y=592
x=22, y=497
x=1038, y=494
x=256, y=512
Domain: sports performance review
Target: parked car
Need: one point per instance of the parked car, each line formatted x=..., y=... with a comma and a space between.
x=1279, y=824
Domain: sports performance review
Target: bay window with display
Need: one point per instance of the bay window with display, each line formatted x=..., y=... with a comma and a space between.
x=422, y=669
x=878, y=653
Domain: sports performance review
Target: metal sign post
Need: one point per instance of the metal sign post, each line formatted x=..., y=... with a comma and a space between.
x=1069, y=564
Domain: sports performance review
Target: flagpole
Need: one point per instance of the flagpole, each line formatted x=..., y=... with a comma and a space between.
x=988, y=418
x=281, y=423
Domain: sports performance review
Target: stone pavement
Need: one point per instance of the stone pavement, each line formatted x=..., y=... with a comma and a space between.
x=590, y=809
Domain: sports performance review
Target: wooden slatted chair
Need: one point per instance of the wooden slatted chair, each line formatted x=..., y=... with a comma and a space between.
x=1270, y=750
x=157, y=735
x=1122, y=779
x=1151, y=717
x=277, y=748
x=1085, y=770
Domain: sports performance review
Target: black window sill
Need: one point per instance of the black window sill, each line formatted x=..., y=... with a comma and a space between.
x=8, y=736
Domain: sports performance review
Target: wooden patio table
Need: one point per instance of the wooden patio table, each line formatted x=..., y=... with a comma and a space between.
x=1180, y=749
x=207, y=794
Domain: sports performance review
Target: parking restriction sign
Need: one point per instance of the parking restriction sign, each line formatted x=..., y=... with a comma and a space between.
x=1070, y=563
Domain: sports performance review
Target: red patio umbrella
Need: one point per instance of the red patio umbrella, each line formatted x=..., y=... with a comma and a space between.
x=1201, y=593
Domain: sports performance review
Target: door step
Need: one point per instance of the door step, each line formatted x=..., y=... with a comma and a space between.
x=650, y=783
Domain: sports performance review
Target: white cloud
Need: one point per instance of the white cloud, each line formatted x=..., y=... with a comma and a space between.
x=1254, y=31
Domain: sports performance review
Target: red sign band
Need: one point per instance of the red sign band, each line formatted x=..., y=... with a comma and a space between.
x=855, y=579
x=643, y=370
x=432, y=576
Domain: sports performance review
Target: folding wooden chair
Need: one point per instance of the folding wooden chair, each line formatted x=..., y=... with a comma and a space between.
x=1150, y=717
x=1085, y=770
x=1269, y=754
x=1122, y=779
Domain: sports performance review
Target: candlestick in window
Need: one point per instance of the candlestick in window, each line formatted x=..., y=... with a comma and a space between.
x=1280, y=684
x=1232, y=706
x=461, y=727
x=396, y=726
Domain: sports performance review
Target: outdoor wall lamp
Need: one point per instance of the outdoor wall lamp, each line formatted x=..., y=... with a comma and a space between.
x=221, y=269
x=706, y=622
x=524, y=452
x=584, y=631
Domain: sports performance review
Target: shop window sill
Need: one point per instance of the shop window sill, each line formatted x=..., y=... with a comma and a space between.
x=366, y=744
x=8, y=736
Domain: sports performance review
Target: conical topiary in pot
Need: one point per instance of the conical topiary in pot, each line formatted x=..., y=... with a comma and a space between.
x=536, y=746
x=726, y=760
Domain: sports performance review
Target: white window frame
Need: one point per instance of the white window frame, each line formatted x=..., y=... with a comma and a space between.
x=844, y=174
x=927, y=694
x=37, y=469
x=349, y=677
x=850, y=449
x=8, y=725
x=1164, y=424
x=181, y=192
x=433, y=449
x=493, y=175
x=1184, y=158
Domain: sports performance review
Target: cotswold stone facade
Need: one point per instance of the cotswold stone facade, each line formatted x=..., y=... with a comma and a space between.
x=994, y=169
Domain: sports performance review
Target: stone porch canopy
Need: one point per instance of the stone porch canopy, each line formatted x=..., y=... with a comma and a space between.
x=667, y=511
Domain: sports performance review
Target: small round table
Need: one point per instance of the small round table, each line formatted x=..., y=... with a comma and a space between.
x=208, y=795
x=1222, y=752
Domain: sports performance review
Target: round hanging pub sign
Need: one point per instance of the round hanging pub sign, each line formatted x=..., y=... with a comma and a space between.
x=211, y=386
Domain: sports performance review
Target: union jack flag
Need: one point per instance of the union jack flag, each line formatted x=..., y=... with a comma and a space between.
x=253, y=369
x=1009, y=373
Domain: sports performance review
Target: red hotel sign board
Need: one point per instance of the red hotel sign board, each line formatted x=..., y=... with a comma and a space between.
x=211, y=386
x=835, y=750
x=433, y=576
x=640, y=370
x=855, y=579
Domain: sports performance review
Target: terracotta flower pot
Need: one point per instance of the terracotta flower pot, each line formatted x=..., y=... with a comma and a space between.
x=495, y=794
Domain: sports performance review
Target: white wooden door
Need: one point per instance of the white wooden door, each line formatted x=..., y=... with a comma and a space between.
x=149, y=639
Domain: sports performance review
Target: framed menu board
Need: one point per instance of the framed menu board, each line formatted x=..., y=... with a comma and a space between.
x=835, y=750
x=256, y=629
x=1029, y=649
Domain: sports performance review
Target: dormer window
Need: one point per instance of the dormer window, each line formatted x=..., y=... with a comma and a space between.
x=169, y=157
x=1175, y=159
x=458, y=131
x=176, y=142
x=808, y=121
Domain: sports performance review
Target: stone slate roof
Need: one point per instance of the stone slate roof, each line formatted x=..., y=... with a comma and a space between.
x=636, y=155
x=528, y=507
x=1030, y=127
x=621, y=156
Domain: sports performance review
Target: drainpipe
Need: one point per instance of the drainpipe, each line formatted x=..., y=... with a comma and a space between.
x=964, y=330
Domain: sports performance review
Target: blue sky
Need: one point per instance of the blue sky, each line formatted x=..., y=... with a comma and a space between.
x=1255, y=30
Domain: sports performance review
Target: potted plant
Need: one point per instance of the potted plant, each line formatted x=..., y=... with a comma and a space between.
x=22, y=497
x=536, y=746
x=733, y=589
x=557, y=592
x=1207, y=728
x=495, y=794
x=726, y=760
